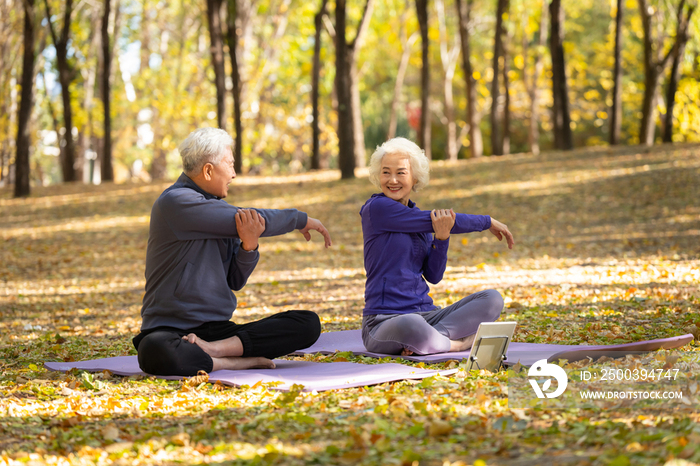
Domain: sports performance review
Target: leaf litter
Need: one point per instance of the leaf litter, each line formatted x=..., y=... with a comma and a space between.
x=607, y=251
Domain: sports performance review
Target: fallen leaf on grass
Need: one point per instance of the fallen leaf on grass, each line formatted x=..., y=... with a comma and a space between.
x=438, y=427
x=182, y=439
x=110, y=432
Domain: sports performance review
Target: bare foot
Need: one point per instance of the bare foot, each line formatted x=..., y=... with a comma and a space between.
x=234, y=363
x=463, y=344
x=217, y=349
x=406, y=352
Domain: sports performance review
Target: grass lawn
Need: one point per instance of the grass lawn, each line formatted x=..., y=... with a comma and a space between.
x=607, y=251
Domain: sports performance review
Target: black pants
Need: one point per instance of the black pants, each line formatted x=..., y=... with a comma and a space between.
x=162, y=351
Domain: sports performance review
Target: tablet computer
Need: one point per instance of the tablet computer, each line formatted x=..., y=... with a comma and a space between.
x=490, y=345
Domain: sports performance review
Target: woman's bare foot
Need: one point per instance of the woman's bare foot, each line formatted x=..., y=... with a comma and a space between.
x=234, y=363
x=406, y=352
x=463, y=344
x=218, y=349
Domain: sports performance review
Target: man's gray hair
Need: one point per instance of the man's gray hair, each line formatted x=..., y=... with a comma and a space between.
x=420, y=165
x=202, y=146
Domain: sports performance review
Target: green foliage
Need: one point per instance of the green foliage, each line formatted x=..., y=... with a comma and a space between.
x=157, y=102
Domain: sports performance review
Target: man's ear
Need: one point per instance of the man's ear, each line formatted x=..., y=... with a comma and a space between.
x=208, y=171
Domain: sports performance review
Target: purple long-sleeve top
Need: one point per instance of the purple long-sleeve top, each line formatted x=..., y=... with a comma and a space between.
x=401, y=254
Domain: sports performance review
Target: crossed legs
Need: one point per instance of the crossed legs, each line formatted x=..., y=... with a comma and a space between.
x=226, y=345
x=449, y=329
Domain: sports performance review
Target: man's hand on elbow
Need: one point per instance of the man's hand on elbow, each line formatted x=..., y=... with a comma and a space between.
x=250, y=225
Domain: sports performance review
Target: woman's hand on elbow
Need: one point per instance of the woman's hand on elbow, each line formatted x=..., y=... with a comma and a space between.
x=443, y=221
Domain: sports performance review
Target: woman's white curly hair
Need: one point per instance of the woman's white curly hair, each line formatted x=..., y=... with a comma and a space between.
x=420, y=165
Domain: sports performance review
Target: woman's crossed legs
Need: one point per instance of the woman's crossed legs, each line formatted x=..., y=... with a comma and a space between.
x=443, y=330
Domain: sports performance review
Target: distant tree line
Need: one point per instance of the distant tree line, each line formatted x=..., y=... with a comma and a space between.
x=310, y=85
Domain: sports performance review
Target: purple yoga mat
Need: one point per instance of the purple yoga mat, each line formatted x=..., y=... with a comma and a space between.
x=525, y=353
x=312, y=375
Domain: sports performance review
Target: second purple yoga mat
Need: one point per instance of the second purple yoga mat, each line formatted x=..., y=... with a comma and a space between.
x=524, y=353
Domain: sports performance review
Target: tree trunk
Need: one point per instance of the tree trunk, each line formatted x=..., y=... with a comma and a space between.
x=563, y=138
x=464, y=14
x=65, y=77
x=406, y=44
x=531, y=87
x=448, y=57
x=354, y=49
x=654, y=65
x=346, y=140
x=65, y=80
x=496, y=100
x=145, y=49
x=347, y=89
x=232, y=18
x=506, y=102
x=106, y=168
x=682, y=38
x=616, y=110
x=424, y=131
x=25, y=109
x=89, y=74
x=358, y=129
x=159, y=165
x=217, y=59
x=452, y=146
x=315, y=78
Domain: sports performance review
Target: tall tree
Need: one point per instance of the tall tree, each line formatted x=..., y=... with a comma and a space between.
x=345, y=58
x=424, y=132
x=354, y=47
x=232, y=35
x=616, y=109
x=217, y=58
x=11, y=32
x=406, y=45
x=682, y=37
x=448, y=57
x=27, y=100
x=315, y=78
x=497, y=102
x=506, y=95
x=145, y=39
x=464, y=12
x=65, y=77
x=531, y=86
x=346, y=140
x=563, y=137
x=89, y=74
x=655, y=63
x=106, y=169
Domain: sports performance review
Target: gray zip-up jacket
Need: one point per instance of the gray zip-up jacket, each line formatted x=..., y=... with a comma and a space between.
x=194, y=257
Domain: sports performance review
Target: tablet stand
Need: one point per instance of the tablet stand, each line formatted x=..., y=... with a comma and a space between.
x=488, y=358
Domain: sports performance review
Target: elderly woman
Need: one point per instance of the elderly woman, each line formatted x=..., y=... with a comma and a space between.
x=405, y=246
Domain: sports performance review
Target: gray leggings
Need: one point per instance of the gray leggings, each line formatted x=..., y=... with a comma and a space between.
x=430, y=332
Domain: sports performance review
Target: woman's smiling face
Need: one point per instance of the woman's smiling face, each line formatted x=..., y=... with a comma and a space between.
x=396, y=178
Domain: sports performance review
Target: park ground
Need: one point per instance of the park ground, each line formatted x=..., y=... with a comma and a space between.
x=607, y=251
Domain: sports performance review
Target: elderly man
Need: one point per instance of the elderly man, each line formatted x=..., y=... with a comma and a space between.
x=199, y=249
